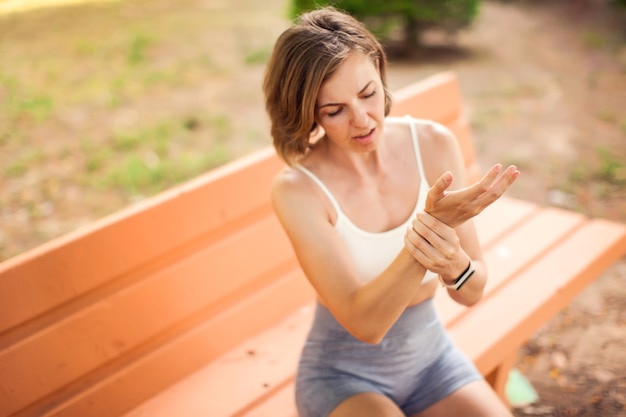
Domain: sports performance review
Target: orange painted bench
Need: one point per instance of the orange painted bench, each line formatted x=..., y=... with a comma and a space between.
x=173, y=308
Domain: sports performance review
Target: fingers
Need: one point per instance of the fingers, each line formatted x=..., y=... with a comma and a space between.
x=441, y=185
x=467, y=194
x=455, y=207
x=506, y=179
x=418, y=247
x=499, y=185
x=491, y=175
x=434, y=238
x=434, y=226
x=485, y=183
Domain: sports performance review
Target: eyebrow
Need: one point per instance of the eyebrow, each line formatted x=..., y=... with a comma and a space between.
x=339, y=104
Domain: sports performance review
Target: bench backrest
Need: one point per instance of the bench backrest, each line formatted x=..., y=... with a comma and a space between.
x=97, y=321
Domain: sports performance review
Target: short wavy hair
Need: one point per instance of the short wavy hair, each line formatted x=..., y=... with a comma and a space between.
x=304, y=57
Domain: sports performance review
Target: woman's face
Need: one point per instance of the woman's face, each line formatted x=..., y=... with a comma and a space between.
x=351, y=104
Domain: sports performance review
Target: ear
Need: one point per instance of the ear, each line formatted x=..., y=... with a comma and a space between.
x=316, y=134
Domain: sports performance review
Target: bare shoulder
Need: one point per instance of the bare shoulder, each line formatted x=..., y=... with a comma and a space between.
x=435, y=136
x=440, y=151
x=291, y=191
x=290, y=184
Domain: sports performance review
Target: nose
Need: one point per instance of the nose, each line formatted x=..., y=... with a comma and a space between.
x=360, y=117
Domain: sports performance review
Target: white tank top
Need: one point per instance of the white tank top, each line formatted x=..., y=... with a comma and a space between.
x=373, y=252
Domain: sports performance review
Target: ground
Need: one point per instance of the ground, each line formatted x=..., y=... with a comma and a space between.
x=104, y=105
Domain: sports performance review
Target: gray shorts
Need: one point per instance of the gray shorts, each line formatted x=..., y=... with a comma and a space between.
x=415, y=365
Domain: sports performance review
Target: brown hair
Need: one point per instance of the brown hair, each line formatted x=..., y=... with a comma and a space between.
x=305, y=56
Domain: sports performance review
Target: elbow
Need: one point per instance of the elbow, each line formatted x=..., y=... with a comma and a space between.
x=371, y=339
x=366, y=334
x=468, y=300
x=471, y=302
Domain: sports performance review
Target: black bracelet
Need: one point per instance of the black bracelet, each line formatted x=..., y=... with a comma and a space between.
x=462, y=279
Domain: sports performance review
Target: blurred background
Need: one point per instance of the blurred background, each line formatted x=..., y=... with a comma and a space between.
x=105, y=102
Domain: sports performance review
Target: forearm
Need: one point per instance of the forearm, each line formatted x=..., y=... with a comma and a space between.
x=376, y=306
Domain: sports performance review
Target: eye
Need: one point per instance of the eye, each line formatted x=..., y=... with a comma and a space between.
x=335, y=113
x=372, y=94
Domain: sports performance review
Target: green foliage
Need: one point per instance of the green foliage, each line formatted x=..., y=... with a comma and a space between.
x=414, y=15
x=612, y=169
x=257, y=57
x=138, y=47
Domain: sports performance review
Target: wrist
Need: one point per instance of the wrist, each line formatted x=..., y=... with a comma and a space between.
x=453, y=274
x=459, y=281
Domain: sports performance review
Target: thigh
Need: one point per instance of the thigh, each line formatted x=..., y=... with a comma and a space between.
x=475, y=399
x=367, y=405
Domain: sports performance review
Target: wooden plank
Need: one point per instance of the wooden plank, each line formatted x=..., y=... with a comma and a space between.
x=70, y=266
x=538, y=293
x=437, y=98
x=160, y=366
x=238, y=381
x=101, y=332
x=502, y=216
x=511, y=254
x=497, y=220
x=281, y=404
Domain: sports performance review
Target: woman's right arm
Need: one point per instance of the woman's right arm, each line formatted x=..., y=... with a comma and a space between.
x=368, y=310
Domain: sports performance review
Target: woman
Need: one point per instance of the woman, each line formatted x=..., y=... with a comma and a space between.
x=370, y=234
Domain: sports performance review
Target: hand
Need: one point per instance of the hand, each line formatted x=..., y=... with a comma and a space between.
x=436, y=246
x=455, y=207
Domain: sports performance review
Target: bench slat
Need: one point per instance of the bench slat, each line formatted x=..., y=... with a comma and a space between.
x=500, y=218
x=70, y=266
x=512, y=253
x=538, y=293
x=280, y=404
x=237, y=375
x=154, y=368
x=102, y=331
x=437, y=98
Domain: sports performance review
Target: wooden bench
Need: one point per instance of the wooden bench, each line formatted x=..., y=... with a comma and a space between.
x=192, y=303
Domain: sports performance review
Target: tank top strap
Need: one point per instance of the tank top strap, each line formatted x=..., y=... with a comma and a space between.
x=322, y=186
x=416, y=148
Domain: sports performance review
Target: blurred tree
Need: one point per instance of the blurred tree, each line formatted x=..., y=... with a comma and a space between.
x=412, y=17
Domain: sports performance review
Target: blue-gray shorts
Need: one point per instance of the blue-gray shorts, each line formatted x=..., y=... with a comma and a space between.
x=415, y=365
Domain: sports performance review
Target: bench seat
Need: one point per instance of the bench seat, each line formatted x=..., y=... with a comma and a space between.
x=529, y=284
x=192, y=302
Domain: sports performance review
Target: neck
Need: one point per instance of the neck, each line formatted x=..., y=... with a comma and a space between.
x=363, y=164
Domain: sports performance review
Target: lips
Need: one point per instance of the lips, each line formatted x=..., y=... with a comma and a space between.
x=366, y=135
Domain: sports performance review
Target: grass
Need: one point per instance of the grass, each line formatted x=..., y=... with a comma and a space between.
x=594, y=40
x=109, y=63
x=148, y=160
x=24, y=162
x=258, y=57
x=602, y=180
x=612, y=169
x=146, y=173
x=188, y=74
